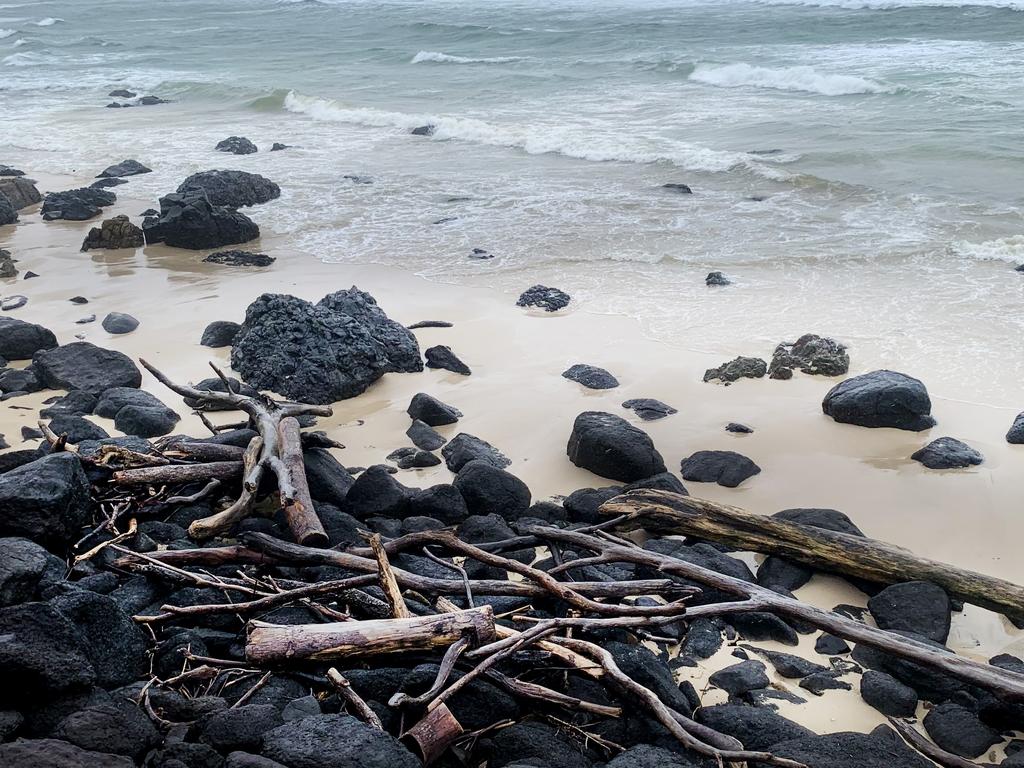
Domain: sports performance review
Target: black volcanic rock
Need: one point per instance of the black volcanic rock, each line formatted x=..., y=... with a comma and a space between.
x=442, y=357
x=737, y=368
x=649, y=409
x=915, y=606
x=611, y=447
x=236, y=258
x=114, y=233
x=880, y=399
x=236, y=145
x=124, y=168
x=424, y=436
x=464, y=448
x=726, y=468
x=191, y=221
x=1016, y=434
x=219, y=333
x=232, y=189
x=590, y=376
x=46, y=500
x=20, y=340
x=85, y=366
x=947, y=453
x=717, y=278
x=431, y=411
x=812, y=354
x=549, y=299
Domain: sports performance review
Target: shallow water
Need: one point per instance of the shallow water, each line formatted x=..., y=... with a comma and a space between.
x=856, y=164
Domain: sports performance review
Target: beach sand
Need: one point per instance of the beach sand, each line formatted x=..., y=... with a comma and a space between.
x=517, y=400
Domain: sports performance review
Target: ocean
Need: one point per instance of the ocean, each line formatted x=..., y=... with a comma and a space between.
x=857, y=166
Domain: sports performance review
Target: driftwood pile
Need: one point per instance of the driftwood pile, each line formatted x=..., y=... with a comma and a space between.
x=376, y=612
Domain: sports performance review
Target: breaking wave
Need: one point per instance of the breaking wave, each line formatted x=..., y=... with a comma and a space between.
x=804, y=79
x=445, y=58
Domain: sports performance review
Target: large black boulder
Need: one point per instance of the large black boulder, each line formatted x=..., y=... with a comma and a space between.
x=440, y=502
x=146, y=421
x=77, y=428
x=726, y=468
x=611, y=447
x=317, y=353
x=328, y=480
x=115, y=645
x=232, y=189
x=424, y=436
x=548, y=299
x=812, y=354
x=335, y=741
x=219, y=333
x=755, y=727
x=487, y=489
x=241, y=728
x=880, y=399
x=649, y=756
x=376, y=493
x=20, y=340
x=740, y=678
x=442, y=357
x=85, y=366
x=533, y=742
x=41, y=655
x=736, y=369
x=947, y=453
x=914, y=606
x=20, y=192
x=190, y=221
x=46, y=500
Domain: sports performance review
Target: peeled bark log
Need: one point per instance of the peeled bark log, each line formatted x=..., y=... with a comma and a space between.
x=272, y=643
x=669, y=513
x=180, y=474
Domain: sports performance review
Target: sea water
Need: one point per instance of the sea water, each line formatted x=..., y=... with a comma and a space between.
x=856, y=165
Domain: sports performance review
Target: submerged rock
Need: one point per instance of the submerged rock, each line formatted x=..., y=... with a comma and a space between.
x=947, y=453
x=726, y=468
x=880, y=399
x=717, y=278
x=442, y=357
x=233, y=189
x=649, y=409
x=590, y=376
x=676, y=186
x=190, y=221
x=549, y=299
x=812, y=354
x=240, y=259
x=738, y=368
x=124, y=168
x=611, y=447
x=236, y=145
x=424, y=130
x=117, y=232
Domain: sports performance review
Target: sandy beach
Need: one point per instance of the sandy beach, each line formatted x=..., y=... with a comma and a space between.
x=517, y=400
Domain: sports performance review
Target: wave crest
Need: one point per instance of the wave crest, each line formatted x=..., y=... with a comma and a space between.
x=49, y=21
x=894, y=5
x=802, y=78
x=537, y=139
x=438, y=57
x=5, y=33
x=1004, y=249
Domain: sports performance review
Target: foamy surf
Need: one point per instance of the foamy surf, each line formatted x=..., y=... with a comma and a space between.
x=5, y=33
x=49, y=21
x=1009, y=249
x=894, y=5
x=438, y=57
x=801, y=78
x=568, y=141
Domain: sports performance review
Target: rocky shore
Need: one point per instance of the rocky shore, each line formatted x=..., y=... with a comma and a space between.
x=500, y=565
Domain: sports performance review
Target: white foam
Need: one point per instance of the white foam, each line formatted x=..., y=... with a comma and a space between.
x=19, y=42
x=49, y=21
x=445, y=58
x=890, y=5
x=804, y=79
x=1004, y=249
x=4, y=33
x=535, y=139
x=22, y=60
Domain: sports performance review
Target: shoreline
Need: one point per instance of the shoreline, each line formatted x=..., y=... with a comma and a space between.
x=517, y=400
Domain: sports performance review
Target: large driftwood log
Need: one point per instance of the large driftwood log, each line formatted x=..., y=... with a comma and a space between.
x=670, y=513
x=1003, y=683
x=180, y=474
x=277, y=449
x=271, y=643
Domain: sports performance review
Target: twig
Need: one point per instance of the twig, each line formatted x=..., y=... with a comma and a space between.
x=361, y=708
x=388, y=582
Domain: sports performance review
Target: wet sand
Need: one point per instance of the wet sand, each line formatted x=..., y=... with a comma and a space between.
x=517, y=400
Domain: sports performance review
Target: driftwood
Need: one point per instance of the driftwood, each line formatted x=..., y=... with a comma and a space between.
x=274, y=643
x=277, y=449
x=932, y=751
x=1003, y=683
x=670, y=513
x=361, y=708
x=180, y=474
